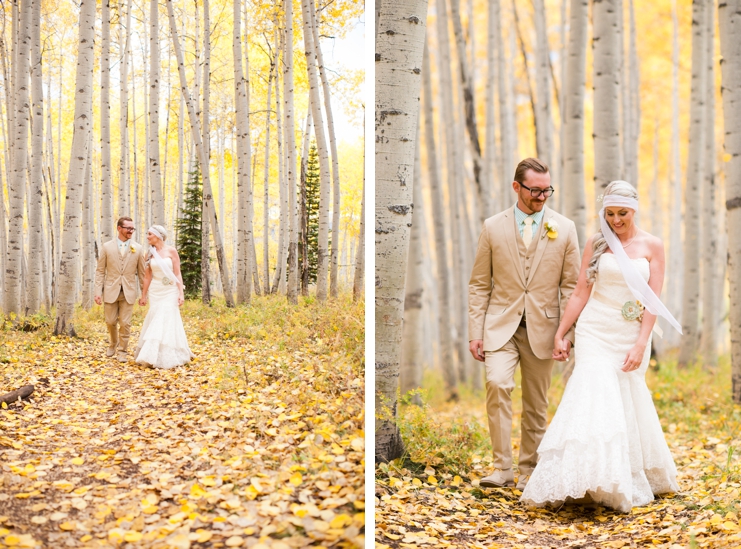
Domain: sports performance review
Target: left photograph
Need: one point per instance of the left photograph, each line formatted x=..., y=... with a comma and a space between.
x=182, y=254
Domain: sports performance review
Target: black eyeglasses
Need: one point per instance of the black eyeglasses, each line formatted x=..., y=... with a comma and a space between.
x=535, y=193
x=129, y=229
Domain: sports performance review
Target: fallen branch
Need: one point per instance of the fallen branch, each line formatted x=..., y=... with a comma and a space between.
x=12, y=396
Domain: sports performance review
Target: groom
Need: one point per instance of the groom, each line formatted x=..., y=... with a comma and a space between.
x=526, y=266
x=119, y=263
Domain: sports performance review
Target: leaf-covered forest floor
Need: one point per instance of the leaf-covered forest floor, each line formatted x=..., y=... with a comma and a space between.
x=432, y=498
x=258, y=442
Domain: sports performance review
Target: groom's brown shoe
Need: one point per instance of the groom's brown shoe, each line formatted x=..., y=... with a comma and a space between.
x=110, y=351
x=122, y=356
x=498, y=479
x=522, y=482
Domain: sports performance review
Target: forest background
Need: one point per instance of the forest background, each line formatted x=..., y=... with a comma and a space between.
x=134, y=94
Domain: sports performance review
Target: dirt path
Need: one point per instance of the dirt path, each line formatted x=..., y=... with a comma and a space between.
x=110, y=454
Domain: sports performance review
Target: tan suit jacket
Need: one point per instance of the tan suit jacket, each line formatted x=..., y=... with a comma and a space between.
x=115, y=272
x=499, y=292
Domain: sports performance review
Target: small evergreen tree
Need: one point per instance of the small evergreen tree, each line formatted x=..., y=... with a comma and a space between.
x=309, y=237
x=188, y=227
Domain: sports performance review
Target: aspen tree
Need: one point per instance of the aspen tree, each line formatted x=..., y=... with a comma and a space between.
x=156, y=197
x=606, y=49
x=695, y=167
x=106, y=222
x=575, y=202
x=290, y=145
x=399, y=45
x=69, y=263
x=35, y=198
x=729, y=19
x=17, y=183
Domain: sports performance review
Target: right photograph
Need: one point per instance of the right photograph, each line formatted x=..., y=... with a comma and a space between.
x=557, y=273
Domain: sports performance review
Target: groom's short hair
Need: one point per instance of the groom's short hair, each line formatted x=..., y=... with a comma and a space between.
x=534, y=164
x=122, y=219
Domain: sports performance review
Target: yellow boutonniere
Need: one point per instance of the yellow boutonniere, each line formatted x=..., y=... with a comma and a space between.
x=133, y=250
x=551, y=228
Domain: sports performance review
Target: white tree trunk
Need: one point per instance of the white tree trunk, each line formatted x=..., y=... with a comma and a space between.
x=491, y=151
x=124, y=189
x=729, y=19
x=244, y=177
x=695, y=169
x=710, y=281
x=441, y=252
x=106, y=189
x=321, y=145
x=156, y=198
x=575, y=201
x=675, y=282
x=266, y=187
x=543, y=117
x=606, y=47
x=285, y=211
x=290, y=144
x=467, y=87
x=68, y=266
x=399, y=45
x=507, y=123
x=410, y=376
x=17, y=185
x=333, y=284
x=88, y=233
x=202, y=159
x=35, y=291
x=633, y=128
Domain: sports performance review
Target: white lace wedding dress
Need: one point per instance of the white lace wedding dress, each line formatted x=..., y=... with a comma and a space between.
x=605, y=443
x=162, y=342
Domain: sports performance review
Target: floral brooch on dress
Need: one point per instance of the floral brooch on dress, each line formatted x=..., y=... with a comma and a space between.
x=551, y=228
x=633, y=310
x=166, y=281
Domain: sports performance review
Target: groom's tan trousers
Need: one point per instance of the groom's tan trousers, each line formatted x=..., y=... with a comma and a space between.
x=500, y=380
x=119, y=312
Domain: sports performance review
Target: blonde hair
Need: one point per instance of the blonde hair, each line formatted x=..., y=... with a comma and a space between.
x=599, y=246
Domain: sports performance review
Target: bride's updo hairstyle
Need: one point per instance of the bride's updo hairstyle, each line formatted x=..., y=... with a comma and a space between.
x=620, y=188
x=160, y=231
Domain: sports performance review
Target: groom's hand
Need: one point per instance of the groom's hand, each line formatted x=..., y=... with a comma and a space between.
x=98, y=300
x=562, y=350
x=476, y=346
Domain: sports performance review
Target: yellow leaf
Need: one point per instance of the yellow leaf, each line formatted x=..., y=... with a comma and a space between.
x=208, y=481
x=196, y=492
x=416, y=482
x=12, y=539
x=432, y=480
x=340, y=521
x=234, y=541
x=150, y=510
x=68, y=525
x=296, y=479
x=133, y=536
x=77, y=461
x=86, y=538
x=456, y=481
x=203, y=535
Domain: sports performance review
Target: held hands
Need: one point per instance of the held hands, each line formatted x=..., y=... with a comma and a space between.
x=181, y=300
x=634, y=358
x=476, y=346
x=561, y=349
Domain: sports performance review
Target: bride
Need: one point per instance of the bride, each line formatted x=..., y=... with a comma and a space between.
x=605, y=443
x=162, y=342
